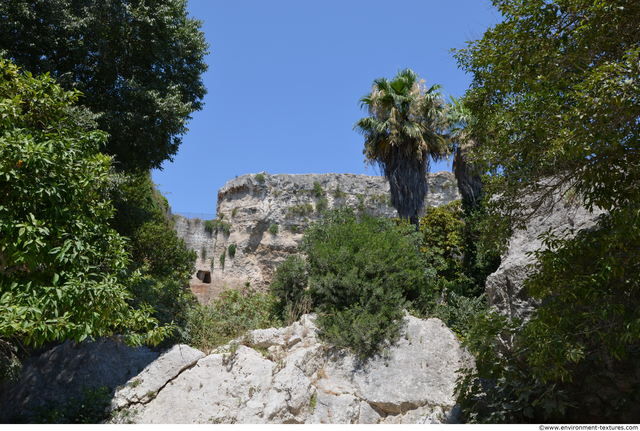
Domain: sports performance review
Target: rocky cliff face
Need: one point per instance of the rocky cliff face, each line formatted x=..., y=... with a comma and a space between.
x=505, y=287
x=255, y=208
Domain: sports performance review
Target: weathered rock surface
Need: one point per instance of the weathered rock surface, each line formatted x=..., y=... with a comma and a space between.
x=287, y=376
x=60, y=373
x=288, y=201
x=504, y=288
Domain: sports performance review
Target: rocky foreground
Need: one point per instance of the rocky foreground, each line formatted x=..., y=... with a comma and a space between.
x=283, y=375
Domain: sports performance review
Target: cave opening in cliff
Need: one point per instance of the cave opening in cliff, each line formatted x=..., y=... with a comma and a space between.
x=204, y=276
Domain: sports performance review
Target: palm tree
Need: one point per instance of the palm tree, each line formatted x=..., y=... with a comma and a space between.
x=469, y=181
x=404, y=130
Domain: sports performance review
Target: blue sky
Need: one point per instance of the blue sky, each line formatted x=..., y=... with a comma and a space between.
x=285, y=78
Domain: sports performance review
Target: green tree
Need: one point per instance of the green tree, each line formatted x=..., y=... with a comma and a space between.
x=59, y=260
x=555, y=90
x=405, y=128
x=139, y=64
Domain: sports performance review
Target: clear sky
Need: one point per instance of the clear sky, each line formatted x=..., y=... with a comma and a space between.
x=285, y=78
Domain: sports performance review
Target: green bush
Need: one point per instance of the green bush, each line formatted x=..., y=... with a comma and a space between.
x=337, y=193
x=215, y=225
x=322, y=204
x=259, y=177
x=223, y=257
x=317, y=189
x=232, y=250
x=361, y=273
x=234, y=212
x=234, y=313
x=63, y=266
x=289, y=283
x=299, y=210
x=274, y=229
x=209, y=226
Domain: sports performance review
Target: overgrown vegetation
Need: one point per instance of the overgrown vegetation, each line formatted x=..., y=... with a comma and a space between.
x=56, y=250
x=274, y=229
x=234, y=313
x=259, y=178
x=299, y=210
x=232, y=250
x=322, y=204
x=360, y=273
x=575, y=61
x=338, y=194
x=318, y=190
x=213, y=226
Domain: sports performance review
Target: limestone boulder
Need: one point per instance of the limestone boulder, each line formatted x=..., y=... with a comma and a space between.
x=288, y=375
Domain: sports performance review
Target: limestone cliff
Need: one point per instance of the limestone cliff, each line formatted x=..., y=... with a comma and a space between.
x=254, y=205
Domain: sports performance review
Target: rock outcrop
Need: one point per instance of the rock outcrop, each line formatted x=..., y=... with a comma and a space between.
x=289, y=202
x=286, y=375
x=505, y=287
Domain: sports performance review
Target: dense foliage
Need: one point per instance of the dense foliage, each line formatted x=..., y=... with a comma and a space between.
x=360, y=273
x=138, y=63
x=403, y=131
x=234, y=313
x=555, y=89
x=60, y=261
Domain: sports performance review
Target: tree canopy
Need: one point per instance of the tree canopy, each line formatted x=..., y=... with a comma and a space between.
x=59, y=260
x=403, y=132
x=138, y=63
x=555, y=94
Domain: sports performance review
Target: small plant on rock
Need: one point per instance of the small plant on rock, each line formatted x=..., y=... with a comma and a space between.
x=232, y=250
x=274, y=229
x=259, y=177
x=317, y=189
x=322, y=205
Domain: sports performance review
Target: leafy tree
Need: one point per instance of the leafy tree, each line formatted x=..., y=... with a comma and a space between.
x=555, y=92
x=405, y=128
x=138, y=63
x=59, y=260
x=555, y=89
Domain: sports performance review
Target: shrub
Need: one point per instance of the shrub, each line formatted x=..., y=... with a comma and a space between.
x=289, y=283
x=317, y=189
x=274, y=229
x=232, y=250
x=223, y=257
x=361, y=273
x=209, y=226
x=321, y=205
x=217, y=225
x=299, y=210
x=259, y=177
x=337, y=193
x=235, y=312
x=234, y=212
